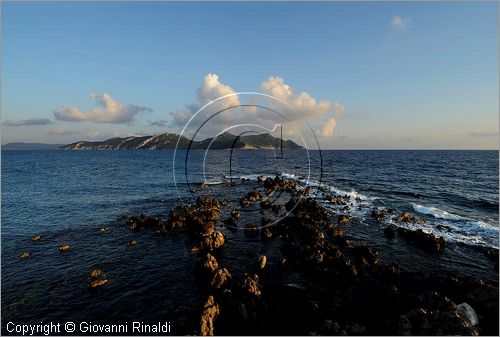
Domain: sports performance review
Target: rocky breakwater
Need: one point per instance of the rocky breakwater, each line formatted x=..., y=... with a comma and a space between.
x=316, y=278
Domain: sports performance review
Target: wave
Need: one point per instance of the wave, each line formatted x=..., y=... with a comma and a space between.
x=327, y=187
x=252, y=177
x=436, y=212
x=453, y=227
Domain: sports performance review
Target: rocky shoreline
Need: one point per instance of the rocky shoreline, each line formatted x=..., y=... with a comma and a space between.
x=314, y=280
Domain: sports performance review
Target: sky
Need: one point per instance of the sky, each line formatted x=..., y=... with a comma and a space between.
x=386, y=75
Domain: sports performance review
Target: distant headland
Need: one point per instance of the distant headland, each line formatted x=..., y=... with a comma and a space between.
x=166, y=141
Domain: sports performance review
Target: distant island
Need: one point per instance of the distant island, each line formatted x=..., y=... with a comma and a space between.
x=30, y=146
x=166, y=141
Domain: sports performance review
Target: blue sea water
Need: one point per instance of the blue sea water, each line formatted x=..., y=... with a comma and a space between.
x=65, y=196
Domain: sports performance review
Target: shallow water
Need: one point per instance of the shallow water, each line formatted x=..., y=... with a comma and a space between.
x=67, y=196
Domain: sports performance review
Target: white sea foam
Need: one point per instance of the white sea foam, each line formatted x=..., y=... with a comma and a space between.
x=436, y=212
x=453, y=227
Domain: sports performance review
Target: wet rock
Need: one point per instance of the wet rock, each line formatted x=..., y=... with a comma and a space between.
x=338, y=232
x=95, y=272
x=426, y=241
x=251, y=229
x=393, y=268
x=260, y=179
x=35, y=238
x=408, y=217
x=218, y=240
x=265, y=204
x=269, y=183
x=145, y=221
x=262, y=261
x=266, y=233
x=250, y=198
x=25, y=255
x=468, y=313
x=235, y=214
x=438, y=322
x=208, y=228
x=343, y=219
x=64, y=247
x=206, y=209
x=95, y=283
x=204, y=186
x=210, y=242
x=390, y=232
x=379, y=214
x=220, y=278
x=210, y=312
x=133, y=242
x=370, y=254
x=251, y=284
x=211, y=263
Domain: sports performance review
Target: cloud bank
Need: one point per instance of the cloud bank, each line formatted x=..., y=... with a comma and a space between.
x=301, y=106
x=27, y=122
x=107, y=110
x=62, y=132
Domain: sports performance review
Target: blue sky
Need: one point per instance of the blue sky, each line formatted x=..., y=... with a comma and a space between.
x=410, y=75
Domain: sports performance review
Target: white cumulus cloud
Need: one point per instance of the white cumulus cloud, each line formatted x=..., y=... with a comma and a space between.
x=399, y=22
x=107, y=110
x=302, y=105
x=299, y=107
x=328, y=128
x=211, y=89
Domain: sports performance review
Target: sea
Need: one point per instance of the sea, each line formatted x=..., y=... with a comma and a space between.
x=67, y=196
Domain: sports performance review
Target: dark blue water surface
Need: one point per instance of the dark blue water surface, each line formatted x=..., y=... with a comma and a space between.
x=65, y=196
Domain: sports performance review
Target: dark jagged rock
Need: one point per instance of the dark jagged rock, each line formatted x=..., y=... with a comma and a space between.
x=434, y=322
x=235, y=214
x=338, y=232
x=220, y=278
x=343, y=219
x=144, y=221
x=266, y=233
x=390, y=232
x=211, y=263
x=380, y=214
x=369, y=254
x=251, y=198
x=210, y=312
x=252, y=285
x=408, y=217
x=426, y=241
x=97, y=278
x=262, y=262
x=64, y=247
